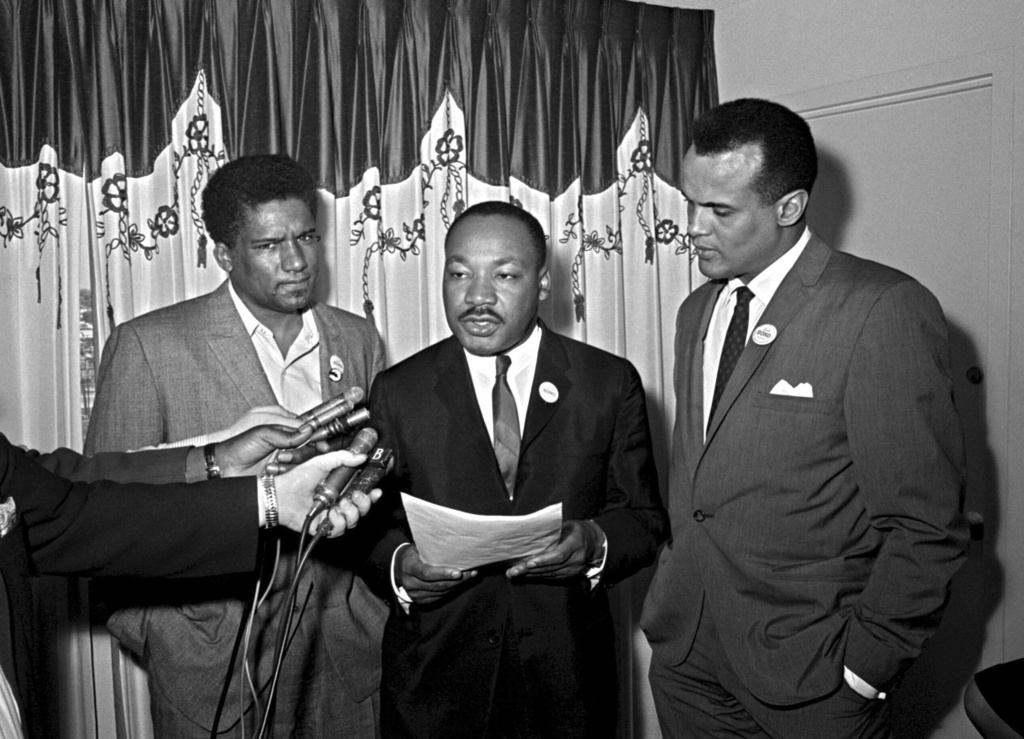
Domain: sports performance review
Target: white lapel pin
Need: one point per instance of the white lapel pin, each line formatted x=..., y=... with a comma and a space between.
x=764, y=334
x=548, y=392
x=337, y=369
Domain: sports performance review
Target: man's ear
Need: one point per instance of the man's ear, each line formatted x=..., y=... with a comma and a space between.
x=223, y=254
x=791, y=207
x=545, y=283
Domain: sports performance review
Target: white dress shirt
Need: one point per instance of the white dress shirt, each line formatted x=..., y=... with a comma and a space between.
x=520, y=378
x=294, y=377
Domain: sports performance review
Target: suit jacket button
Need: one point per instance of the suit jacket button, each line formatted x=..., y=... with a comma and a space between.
x=698, y=515
x=492, y=638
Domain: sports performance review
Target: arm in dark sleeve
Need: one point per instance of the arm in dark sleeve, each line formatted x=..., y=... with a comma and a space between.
x=386, y=523
x=634, y=519
x=156, y=466
x=907, y=451
x=107, y=528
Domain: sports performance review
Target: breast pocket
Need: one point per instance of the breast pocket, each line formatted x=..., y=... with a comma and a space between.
x=791, y=404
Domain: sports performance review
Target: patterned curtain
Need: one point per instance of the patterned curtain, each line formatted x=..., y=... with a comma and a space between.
x=114, y=113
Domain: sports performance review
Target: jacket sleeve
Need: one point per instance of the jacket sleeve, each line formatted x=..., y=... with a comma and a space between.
x=127, y=413
x=634, y=520
x=384, y=528
x=106, y=528
x=907, y=453
x=155, y=466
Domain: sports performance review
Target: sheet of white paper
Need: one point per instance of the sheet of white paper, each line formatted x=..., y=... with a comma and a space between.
x=450, y=538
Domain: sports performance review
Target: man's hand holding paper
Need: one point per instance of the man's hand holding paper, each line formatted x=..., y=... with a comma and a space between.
x=579, y=550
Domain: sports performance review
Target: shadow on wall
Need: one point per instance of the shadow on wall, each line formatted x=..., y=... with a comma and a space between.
x=933, y=687
x=832, y=204
x=931, y=691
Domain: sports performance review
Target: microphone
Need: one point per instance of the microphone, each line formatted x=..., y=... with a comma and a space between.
x=377, y=465
x=328, y=492
x=335, y=407
x=340, y=425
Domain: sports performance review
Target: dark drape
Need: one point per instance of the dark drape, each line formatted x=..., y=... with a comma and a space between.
x=548, y=86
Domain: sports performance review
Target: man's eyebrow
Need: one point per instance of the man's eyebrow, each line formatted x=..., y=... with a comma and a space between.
x=270, y=239
x=711, y=204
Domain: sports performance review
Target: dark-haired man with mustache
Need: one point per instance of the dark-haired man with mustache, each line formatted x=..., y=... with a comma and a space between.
x=504, y=418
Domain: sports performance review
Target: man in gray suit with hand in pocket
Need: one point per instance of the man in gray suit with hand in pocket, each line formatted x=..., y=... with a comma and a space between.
x=817, y=467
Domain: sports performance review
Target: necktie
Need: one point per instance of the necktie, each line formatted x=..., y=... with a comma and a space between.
x=735, y=338
x=506, y=425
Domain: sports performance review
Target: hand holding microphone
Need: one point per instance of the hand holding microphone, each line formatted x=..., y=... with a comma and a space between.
x=328, y=492
x=326, y=420
x=295, y=487
x=378, y=464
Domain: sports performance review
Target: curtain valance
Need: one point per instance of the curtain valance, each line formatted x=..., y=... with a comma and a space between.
x=549, y=86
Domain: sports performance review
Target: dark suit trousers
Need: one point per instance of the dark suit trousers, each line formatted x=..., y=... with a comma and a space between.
x=704, y=697
x=512, y=715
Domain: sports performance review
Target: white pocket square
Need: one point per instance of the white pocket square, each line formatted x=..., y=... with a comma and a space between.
x=803, y=390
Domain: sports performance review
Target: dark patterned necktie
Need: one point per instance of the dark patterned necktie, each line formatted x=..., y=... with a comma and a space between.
x=735, y=339
x=506, y=425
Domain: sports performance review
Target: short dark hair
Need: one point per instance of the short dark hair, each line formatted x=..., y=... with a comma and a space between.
x=248, y=182
x=790, y=159
x=490, y=208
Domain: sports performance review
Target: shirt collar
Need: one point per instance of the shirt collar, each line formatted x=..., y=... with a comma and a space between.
x=522, y=355
x=252, y=324
x=767, y=282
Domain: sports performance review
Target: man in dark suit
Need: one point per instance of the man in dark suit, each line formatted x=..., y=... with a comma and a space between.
x=523, y=649
x=62, y=513
x=817, y=460
x=180, y=372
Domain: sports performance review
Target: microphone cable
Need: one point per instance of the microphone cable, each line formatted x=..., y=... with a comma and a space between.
x=326, y=496
x=249, y=609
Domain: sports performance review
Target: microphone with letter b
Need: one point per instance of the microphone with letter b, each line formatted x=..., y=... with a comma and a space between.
x=377, y=465
x=328, y=492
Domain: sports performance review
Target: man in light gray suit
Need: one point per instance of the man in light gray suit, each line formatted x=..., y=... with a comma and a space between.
x=817, y=467
x=189, y=369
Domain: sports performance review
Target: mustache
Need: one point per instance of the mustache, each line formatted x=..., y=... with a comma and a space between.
x=481, y=312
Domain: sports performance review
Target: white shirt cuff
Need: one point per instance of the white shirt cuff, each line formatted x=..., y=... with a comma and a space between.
x=595, y=572
x=197, y=441
x=400, y=593
x=860, y=687
x=261, y=507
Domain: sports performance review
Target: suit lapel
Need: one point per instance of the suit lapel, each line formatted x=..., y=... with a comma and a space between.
x=454, y=389
x=694, y=390
x=792, y=295
x=330, y=346
x=552, y=366
x=233, y=348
